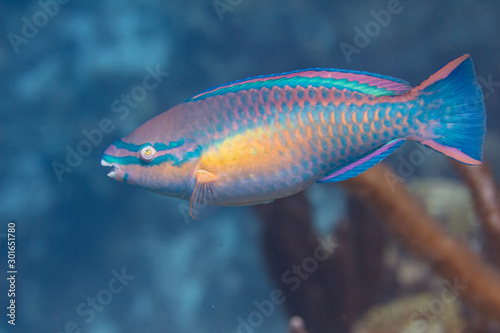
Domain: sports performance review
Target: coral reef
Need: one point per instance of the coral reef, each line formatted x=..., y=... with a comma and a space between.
x=419, y=232
x=484, y=191
x=342, y=293
x=332, y=294
x=450, y=202
x=406, y=315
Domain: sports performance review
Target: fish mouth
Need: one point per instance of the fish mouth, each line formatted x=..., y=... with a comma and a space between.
x=115, y=167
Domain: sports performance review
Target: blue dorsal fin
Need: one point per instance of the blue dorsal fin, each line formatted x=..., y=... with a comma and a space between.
x=363, y=164
x=363, y=82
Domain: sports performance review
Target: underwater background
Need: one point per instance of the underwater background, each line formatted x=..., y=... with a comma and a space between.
x=95, y=255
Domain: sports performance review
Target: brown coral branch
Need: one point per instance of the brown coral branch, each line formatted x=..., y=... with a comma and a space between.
x=484, y=191
x=334, y=295
x=409, y=221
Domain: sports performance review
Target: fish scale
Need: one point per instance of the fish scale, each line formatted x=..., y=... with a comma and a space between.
x=294, y=115
x=262, y=138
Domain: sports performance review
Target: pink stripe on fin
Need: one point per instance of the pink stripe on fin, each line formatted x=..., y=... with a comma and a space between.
x=364, y=163
x=443, y=72
x=451, y=152
x=378, y=81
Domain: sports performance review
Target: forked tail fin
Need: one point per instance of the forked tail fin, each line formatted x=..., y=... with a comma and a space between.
x=459, y=124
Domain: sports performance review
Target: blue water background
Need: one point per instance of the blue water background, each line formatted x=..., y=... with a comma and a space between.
x=76, y=231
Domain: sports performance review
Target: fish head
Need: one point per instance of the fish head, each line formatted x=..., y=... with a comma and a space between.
x=153, y=160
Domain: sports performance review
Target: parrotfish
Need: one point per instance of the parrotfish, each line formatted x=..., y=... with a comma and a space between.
x=255, y=140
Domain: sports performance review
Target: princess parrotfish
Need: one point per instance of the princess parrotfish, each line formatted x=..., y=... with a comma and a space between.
x=267, y=137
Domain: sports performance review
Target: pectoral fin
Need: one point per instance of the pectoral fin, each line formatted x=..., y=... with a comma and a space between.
x=203, y=195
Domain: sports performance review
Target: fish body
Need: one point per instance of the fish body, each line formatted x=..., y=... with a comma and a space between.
x=259, y=139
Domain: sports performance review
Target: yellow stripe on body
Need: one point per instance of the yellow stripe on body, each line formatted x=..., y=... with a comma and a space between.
x=255, y=151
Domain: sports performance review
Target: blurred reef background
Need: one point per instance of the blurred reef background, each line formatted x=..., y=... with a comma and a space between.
x=99, y=256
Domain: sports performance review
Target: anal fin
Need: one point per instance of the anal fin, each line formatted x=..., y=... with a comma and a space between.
x=363, y=164
x=252, y=203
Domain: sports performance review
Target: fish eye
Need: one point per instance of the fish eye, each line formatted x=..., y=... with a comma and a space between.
x=147, y=153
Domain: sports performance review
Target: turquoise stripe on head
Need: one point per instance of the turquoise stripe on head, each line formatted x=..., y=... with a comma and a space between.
x=120, y=144
x=141, y=159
